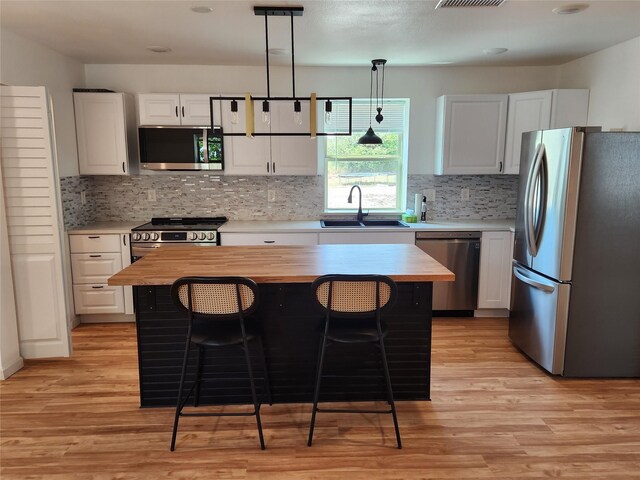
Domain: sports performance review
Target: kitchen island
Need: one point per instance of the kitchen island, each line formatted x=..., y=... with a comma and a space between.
x=290, y=322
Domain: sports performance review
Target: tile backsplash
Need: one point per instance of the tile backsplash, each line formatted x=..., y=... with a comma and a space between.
x=130, y=198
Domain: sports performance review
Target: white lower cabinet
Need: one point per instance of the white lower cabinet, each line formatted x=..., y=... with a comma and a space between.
x=94, y=258
x=370, y=237
x=494, y=284
x=227, y=239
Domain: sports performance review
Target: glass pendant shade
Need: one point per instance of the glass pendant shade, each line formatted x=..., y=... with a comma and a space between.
x=370, y=138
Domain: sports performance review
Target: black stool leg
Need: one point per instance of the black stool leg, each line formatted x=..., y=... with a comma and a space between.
x=201, y=353
x=256, y=406
x=267, y=381
x=180, y=389
x=390, y=391
x=316, y=394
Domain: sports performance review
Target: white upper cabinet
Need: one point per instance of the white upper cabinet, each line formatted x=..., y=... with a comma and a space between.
x=105, y=132
x=529, y=111
x=291, y=155
x=269, y=155
x=470, y=133
x=174, y=109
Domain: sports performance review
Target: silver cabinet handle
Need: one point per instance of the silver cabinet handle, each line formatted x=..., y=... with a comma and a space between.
x=94, y=236
x=540, y=286
x=95, y=256
x=98, y=286
x=176, y=110
x=269, y=241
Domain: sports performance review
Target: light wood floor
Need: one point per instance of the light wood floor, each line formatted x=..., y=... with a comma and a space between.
x=493, y=416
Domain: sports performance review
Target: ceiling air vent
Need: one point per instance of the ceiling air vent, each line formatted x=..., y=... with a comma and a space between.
x=469, y=3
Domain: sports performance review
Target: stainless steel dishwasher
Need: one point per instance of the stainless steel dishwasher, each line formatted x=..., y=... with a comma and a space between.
x=460, y=253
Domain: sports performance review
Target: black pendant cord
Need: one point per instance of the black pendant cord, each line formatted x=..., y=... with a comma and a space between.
x=371, y=97
x=266, y=41
x=382, y=89
x=293, y=62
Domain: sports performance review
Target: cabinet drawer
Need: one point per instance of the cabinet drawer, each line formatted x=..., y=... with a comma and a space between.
x=370, y=237
x=98, y=299
x=94, y=243
x=269, y=239
x=94, y=267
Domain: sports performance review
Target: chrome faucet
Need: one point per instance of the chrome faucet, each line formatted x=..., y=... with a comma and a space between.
x=360, y=216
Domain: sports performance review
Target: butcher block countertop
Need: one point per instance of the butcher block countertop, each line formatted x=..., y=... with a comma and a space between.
x=283, y=264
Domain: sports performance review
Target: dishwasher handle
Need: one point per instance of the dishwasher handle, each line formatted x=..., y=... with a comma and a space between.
x=448, y=235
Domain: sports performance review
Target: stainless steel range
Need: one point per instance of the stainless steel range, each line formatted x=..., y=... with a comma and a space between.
x=190, y=231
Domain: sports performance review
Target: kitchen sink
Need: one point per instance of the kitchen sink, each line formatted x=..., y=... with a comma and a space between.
x=340, y=223
x=364, y=223
x=384, y=223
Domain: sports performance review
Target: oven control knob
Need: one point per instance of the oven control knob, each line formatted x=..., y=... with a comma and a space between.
x=136, y=237
x=145, y=237
x=211, y=236
x=155, y=236
x=202, y=236
x=193, y=236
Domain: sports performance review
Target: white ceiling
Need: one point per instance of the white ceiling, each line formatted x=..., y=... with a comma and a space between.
x=331, y=32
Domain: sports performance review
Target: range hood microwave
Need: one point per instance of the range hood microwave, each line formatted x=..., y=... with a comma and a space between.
x=180, y=148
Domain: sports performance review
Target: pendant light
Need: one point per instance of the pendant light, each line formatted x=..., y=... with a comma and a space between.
x=267, y=102
x=370, y=138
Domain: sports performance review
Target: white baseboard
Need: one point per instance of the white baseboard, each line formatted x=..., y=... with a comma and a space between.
x=107, y=318
x=11, y=369
x=491, y=312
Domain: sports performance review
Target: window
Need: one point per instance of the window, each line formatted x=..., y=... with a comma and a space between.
x=380, y=170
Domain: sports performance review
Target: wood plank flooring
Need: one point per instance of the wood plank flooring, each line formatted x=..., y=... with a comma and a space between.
x=494, y=415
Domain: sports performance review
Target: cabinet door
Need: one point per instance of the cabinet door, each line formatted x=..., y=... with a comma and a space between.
x=244, y=155
x=528, y=111
x=366, y=237
x=470, y=134
x=494, y=285
x=101, y=133
x=90, y=299
x=125, y=255
x=569, y=107
x=159, y=108
x=269, y=238
x=94, y=267
x=194, y=110
x=292, y=155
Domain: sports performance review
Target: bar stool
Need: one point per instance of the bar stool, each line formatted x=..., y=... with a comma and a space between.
x=353, y=305
x=217, y=309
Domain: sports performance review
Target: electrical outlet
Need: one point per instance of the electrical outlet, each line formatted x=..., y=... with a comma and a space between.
x=151, y=195
x=430, y=193
x=83, y=198
x=464, y=195
x=271, y=195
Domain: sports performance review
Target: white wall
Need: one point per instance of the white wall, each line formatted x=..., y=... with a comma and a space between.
x=421, y=84
x=10, y=359
x=27, y=63
x=613, y=76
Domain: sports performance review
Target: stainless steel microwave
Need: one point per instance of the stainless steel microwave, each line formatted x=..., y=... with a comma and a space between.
x=180, y=148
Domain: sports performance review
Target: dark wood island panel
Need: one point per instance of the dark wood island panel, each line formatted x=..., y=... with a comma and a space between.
x=290, y=325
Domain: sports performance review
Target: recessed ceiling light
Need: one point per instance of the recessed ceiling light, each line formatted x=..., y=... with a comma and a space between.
x=570, y=9
x=494, y=51
x=158, y=49
x=202, y=9
x=278, y=51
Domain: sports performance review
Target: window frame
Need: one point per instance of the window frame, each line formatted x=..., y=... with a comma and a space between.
x=402, y=174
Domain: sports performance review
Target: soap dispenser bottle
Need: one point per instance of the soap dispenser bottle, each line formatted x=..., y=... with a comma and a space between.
x=423, y=214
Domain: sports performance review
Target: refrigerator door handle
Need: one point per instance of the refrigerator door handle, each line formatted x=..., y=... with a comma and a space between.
x=520, y=275
x=529, y=227
x=541, y=211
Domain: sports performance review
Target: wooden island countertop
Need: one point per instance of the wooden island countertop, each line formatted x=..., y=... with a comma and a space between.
x=283, y=264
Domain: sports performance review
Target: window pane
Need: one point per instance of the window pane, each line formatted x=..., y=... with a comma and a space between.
x=377, y=169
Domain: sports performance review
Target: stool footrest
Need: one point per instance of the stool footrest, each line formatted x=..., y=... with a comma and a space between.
x=348, y=410
x=249, y=414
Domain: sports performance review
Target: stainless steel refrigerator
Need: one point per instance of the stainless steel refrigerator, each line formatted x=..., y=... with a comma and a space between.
x=575, y=300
